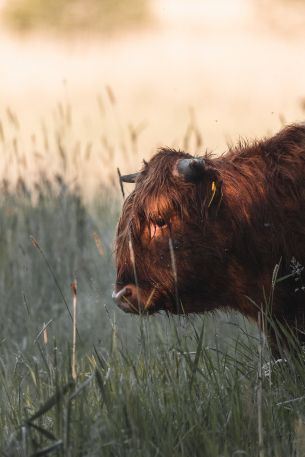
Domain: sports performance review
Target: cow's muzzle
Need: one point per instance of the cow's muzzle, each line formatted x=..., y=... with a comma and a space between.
x=128, y=299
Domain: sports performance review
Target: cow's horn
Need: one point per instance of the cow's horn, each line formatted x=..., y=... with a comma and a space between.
x=130, y=178
x=191, y=169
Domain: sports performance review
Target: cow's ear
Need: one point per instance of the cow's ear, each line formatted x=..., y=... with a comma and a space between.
x=196, y=170
x=199, y=171
x=191, y=170
x=130, y=178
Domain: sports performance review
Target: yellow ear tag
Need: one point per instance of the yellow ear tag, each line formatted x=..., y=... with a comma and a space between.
x=213, y=188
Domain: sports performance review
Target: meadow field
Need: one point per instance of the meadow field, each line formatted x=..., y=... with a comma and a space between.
x=71, y=112
x=158, y=386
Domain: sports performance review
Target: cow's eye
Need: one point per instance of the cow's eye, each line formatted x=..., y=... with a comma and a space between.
x=160, y=222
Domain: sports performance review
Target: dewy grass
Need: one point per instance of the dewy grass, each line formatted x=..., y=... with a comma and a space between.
x=176, y=395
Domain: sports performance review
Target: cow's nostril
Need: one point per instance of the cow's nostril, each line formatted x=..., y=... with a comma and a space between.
x=128, y=292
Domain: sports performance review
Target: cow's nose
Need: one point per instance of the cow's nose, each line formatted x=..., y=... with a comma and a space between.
x=127, y=298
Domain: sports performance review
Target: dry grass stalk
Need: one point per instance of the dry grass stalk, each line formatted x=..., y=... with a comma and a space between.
x=174, y=270
x=45, y=334
x=299, y=439
x=260, y=389
x=74, y=298
x=133, y=262
x=98, y=244
x=149, y=300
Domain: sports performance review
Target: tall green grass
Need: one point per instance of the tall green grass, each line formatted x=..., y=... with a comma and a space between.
x=173, y=393
x=145, y=386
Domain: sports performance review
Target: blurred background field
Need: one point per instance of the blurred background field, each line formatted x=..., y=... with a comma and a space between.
x=74, y=15
x=236, y=65
x=86, y=87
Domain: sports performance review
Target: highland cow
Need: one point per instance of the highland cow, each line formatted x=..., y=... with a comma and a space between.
x=202, y=233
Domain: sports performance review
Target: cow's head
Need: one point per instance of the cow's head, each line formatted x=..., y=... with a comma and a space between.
x=170, y=239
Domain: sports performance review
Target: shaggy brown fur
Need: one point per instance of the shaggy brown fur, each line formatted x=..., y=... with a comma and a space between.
x=210, y=244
